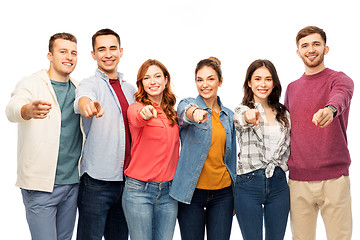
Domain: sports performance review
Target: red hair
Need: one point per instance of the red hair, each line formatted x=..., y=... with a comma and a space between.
x=168, y=100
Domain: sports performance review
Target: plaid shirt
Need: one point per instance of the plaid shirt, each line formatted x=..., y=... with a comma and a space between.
x=255, y=152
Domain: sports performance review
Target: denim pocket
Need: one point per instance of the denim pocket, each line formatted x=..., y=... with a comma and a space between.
x=131, y=185
x=94, y=183
x=244, y=178
x=197, y=133
x=279, y=173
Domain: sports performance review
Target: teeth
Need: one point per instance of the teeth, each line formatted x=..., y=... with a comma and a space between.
x=68, y=64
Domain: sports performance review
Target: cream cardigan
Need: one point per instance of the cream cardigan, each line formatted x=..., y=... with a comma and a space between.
x=38, y=139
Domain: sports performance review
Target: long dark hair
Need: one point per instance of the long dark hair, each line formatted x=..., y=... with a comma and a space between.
x=274, y=97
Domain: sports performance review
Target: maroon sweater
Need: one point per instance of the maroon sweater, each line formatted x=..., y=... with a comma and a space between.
x=319, y=153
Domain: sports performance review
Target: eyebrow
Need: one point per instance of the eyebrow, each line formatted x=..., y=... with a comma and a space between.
x=103, y=47
x=153, y=74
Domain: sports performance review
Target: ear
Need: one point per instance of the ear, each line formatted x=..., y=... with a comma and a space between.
x=50, y=56
x=220, y=82
x=93, y=55
x=298, y=52
x=326, y=50
x=121, y=52
x=249, y=84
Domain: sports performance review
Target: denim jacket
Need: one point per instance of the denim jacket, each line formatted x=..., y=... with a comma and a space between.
x=195, y=145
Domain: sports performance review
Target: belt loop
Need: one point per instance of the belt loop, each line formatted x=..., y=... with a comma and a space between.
x=146, y=185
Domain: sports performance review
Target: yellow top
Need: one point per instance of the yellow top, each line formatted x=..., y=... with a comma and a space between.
x=214, y=174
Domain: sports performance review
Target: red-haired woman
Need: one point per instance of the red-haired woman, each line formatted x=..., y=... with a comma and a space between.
x=149, y=210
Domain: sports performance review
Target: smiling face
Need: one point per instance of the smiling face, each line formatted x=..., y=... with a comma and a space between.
x=107, y=53
x=312, y=49
x=207, y=83
x=261, y=84
x=154, y=83
x=63, y=57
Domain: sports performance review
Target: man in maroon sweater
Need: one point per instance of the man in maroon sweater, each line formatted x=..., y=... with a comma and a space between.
x=319, y=104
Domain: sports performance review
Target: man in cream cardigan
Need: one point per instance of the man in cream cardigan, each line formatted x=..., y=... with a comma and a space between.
x=49, y=142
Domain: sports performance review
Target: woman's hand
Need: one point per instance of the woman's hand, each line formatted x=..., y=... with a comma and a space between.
x=252, y=116
x=148, y=112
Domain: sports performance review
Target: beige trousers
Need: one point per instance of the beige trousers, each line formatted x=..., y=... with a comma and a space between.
x=333, y=199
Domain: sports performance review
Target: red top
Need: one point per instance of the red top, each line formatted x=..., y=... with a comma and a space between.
x=115, y=83
x=319, y=153
x=155, y=146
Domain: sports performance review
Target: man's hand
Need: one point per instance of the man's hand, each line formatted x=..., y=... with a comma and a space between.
x=252, y=116
x=90, y=108
x=148, y=112
x=37, y=109
x=323, y=117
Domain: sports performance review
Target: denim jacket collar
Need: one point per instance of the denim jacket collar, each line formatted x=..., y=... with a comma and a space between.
x=201, y=103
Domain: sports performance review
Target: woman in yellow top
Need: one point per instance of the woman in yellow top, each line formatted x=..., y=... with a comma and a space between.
x=207, y=162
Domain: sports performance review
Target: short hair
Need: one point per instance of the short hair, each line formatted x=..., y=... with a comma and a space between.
x=105, y=31
x=65, y=36
x=306, y=31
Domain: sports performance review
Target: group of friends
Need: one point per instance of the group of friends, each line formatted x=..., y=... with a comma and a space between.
x=132, y=165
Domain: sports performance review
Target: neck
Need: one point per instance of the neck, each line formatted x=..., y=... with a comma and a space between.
x=264, y=102
x=156, y=99
x=212, y=103
x=53, y=75
x=314, y=70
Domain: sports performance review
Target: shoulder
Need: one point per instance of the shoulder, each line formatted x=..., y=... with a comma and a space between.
x=34, y=79
x=135, y=106
x=340, y=76
x=188, y=100
x=241, y=108
x=127, y=86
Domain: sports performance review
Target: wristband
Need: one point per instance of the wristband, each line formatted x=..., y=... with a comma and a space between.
x=192, y=114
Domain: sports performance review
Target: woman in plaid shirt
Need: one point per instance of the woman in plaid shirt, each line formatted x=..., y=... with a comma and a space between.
x=262, y=126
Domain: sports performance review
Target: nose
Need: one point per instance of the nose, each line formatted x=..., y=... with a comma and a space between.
x=262, y=83
x=311, y=48
x=152, y=80
x=69, y=56
x=206, y=83
x=107, y=54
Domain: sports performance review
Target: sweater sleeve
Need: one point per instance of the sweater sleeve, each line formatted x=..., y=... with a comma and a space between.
x=21, y=96
x=341, y=93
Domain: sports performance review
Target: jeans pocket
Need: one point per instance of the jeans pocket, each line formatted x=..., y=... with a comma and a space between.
x=131, y=185
x=244, y=178
x=94, y=183
x=279, y=173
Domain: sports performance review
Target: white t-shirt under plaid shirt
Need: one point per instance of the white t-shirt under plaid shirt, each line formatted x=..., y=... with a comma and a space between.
x=254, y=144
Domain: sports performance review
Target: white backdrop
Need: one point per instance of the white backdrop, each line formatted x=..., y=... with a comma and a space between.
x=179, y=34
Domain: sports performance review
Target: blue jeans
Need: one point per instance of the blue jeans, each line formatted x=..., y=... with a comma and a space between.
x=149, y=210
x=100, y=210
x=51, y=215
x=213, y=208
x=259, y=199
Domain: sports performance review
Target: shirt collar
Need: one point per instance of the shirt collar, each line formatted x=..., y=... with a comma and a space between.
x=105, y=77
x=202, y=104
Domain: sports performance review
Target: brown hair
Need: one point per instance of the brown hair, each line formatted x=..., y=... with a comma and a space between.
x=168, y=100
x=275, y=94
x=105, y=31
x=306, y=31
x=65, y=36
x=212, y=62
